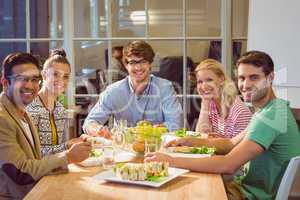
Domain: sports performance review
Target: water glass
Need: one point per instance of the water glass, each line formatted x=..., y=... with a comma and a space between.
x=108, y=157
x=118, y=139
x=152, y=144
x=119, y=130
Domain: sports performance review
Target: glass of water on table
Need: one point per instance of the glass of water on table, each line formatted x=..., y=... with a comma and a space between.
x=118, y=132
x=152, y=144
x=108, y=155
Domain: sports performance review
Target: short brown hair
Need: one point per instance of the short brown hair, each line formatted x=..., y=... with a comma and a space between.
x=138, y=48
x=258, y=59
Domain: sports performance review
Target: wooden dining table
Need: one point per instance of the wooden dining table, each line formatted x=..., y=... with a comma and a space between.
x=79, y=183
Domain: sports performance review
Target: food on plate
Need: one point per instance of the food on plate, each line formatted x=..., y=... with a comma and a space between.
x=99, y=141
x=184, y=133
x=182, y=149
x=156, y=168
x=95, y=153
x=195, y=150
x=141, y=171
x=193, y=134
x=180, y=132
x=131, y=171
x=95, y=159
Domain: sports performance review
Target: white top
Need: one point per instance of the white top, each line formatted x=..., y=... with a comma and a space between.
x=28, y=132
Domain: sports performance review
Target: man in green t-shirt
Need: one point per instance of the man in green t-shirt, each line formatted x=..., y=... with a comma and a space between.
x=267, y=145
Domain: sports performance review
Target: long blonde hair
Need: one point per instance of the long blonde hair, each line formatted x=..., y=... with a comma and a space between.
x=228, y=89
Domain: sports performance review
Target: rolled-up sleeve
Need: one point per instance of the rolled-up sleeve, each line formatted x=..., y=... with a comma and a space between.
x=101, y=112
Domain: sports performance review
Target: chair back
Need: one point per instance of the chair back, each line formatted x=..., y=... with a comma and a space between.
x=287, y=179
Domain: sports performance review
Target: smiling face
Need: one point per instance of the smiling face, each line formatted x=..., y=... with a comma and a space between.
x=138, y=69
x=208, y=84
x=253, y=83
x=23, y=84
x=56, y=78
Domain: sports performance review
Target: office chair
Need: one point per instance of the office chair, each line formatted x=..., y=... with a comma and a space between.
x=287, y=179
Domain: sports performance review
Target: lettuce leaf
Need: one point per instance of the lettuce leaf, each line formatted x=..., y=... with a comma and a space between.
x=95, y=153
x=156, y=178
x=180, y=132
x=203, y=150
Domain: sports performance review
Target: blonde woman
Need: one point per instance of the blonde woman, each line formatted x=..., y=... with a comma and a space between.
x=222, y=114
x=47, y=112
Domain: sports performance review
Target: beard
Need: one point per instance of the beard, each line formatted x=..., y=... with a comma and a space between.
x=259, y=94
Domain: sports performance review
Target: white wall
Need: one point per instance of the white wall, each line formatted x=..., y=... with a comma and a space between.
x=274, y=28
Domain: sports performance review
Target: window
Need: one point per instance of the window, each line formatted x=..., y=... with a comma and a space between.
x=182, y=33
x=30, y=25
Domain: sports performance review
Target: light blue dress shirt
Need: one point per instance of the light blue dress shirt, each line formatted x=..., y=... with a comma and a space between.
x=157, y=104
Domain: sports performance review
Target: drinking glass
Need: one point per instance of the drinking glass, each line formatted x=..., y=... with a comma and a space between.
x=118, y=132
x=152, y=144
x=108, y=157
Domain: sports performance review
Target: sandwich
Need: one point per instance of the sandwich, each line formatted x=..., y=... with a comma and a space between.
x=141, y=171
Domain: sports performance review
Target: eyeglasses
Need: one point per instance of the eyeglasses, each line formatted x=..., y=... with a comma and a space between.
x=26, y=79
x=136, y=62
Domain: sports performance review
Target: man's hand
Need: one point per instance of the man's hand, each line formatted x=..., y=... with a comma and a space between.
x=73, y=141
x=104, y=132
x=85, y=137
x=158, y=157
x=79, y=152
x=96, y=129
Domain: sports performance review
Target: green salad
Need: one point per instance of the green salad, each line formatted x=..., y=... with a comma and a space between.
x=203, y=150
x=156, y=179
x=95, y=153
x=180, y=132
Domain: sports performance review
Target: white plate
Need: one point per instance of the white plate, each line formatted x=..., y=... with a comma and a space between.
x=121, y=156
x=189, y=155
x=111, y=177
x=170, y=151
x=167, y=137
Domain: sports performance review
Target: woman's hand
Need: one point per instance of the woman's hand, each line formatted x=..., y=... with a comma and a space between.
x=186, y=141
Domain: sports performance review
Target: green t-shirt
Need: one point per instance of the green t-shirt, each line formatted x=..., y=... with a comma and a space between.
x=275, y=129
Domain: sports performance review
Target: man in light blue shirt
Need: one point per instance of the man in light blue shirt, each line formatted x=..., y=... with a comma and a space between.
x=139, y=96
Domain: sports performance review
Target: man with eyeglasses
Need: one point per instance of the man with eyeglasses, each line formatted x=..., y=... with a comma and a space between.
x=21, y=165
x=139, y=96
